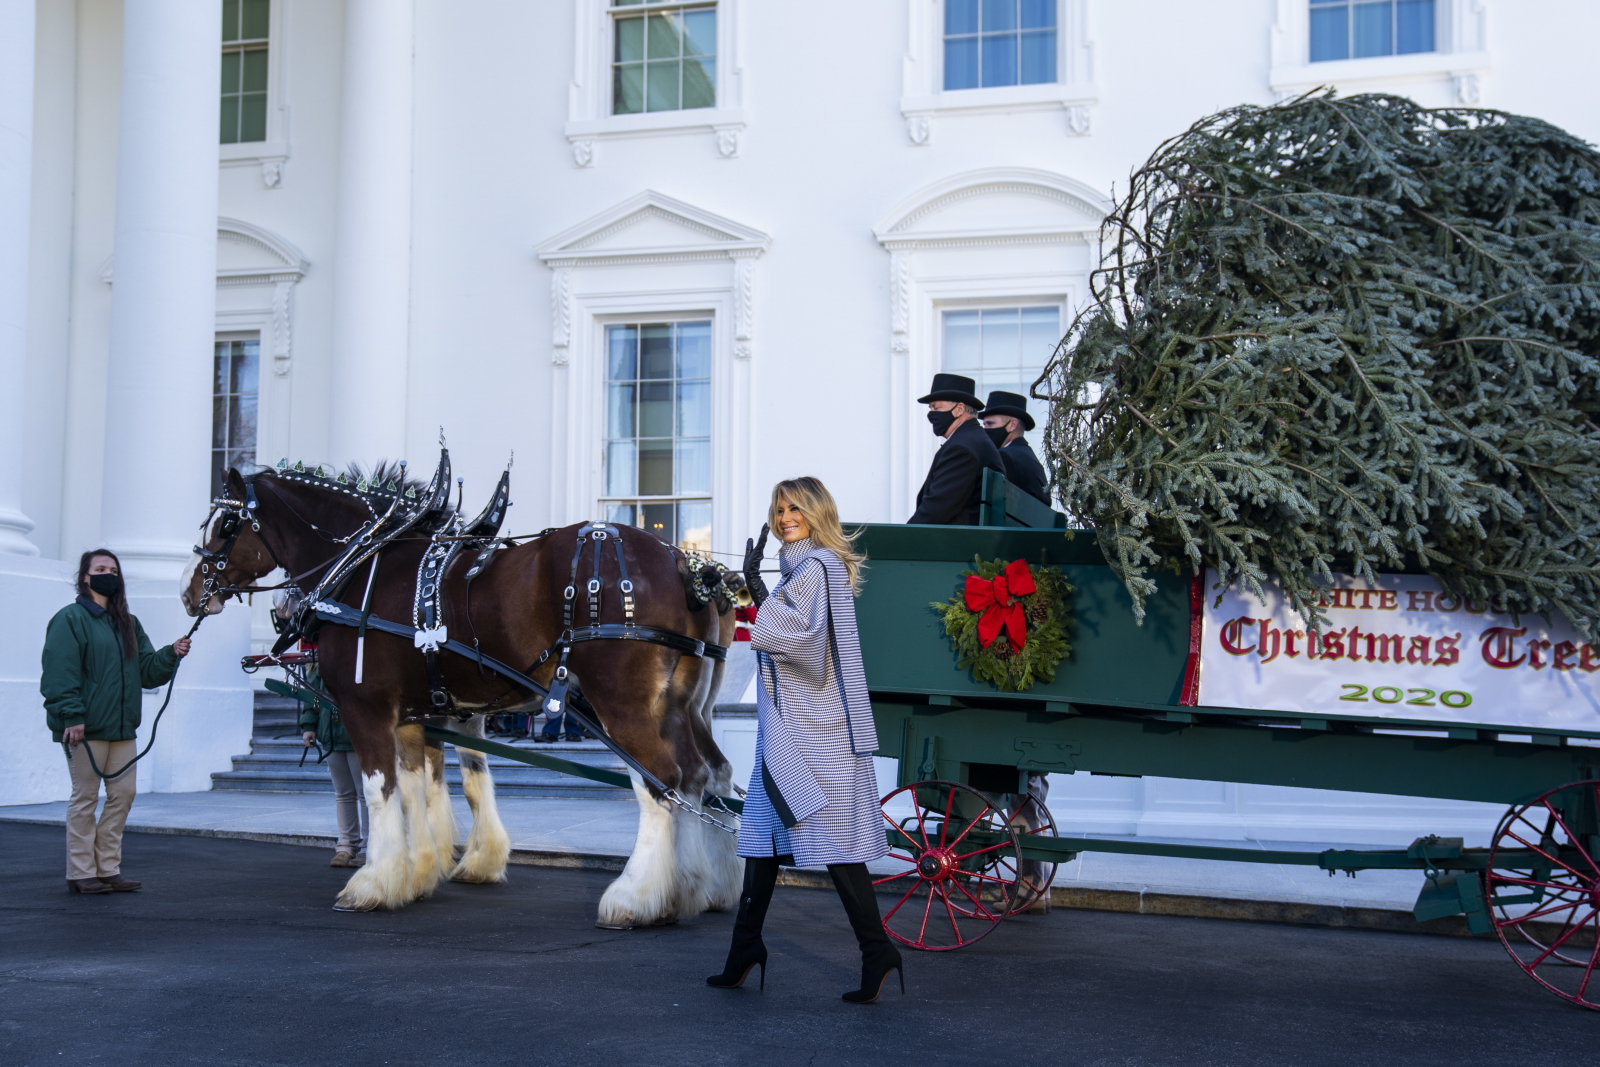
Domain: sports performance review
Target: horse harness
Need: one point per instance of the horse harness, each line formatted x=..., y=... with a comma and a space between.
x=449, y=537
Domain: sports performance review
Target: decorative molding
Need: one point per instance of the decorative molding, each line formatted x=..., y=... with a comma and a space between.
x=998, y=180
x=900, y=298
x=282, y=326
x=589, y=116
x=1456, y=66
x=923, y=96
x=561, y=310
x=583, y=153
x=272, y=173
x=744, y=302
x=723, y=237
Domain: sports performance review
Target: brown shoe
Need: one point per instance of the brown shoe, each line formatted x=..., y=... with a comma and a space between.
x=360, y=860
x=341, y=858
x=120, y=884
x=87, y=885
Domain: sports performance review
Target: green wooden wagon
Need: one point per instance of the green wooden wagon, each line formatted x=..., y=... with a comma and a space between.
x=975, y=847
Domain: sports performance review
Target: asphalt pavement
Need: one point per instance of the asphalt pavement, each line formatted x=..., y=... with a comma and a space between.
x=231, y=955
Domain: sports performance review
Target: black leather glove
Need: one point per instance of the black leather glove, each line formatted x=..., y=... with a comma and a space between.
x=753, y=553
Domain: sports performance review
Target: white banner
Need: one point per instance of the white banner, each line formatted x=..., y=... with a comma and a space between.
x=1398, y=648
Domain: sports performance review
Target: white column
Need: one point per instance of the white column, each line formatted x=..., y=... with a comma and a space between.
x=372, y=269
x=163, y=297
x=16, y=166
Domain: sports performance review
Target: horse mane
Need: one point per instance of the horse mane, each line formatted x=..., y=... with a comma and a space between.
x=382, y=475
x=385, y=471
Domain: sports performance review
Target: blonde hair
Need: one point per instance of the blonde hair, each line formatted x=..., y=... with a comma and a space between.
x=822, y=514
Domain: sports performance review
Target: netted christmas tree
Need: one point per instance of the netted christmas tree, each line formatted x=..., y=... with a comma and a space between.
x=1346, y=335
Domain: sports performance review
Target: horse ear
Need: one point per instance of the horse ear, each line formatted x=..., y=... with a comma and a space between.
x=234, y=481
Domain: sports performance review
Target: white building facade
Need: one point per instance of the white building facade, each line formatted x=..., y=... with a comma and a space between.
x=666, y=252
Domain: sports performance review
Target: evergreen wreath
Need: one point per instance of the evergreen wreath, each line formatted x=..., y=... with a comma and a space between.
x=1049, y=612
x=1346, y=335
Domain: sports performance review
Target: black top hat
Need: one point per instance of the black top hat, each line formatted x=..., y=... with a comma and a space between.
x=1011, y=405
x=955, y=387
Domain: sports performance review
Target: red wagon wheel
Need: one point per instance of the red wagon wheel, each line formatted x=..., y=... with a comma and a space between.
x=949, y=887
x=1547, y=912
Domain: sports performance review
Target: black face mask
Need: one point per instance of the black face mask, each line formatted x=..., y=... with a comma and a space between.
x=998, y=435
x=941, y=421
x=107, y=585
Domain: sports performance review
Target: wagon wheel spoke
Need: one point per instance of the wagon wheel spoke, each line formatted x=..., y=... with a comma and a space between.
x=976, y=903
x=944, y=827
x=984, y=851
x=927, y=910
x=1577, y=841
x=1559, y=863
x=1558, y=942
x=950, y=913
x=1560, y=886
x=970, y=825
x=901, y=901
x=1588, y=971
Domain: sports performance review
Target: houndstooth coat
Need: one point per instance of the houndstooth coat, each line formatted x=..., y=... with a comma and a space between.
x=814, y=792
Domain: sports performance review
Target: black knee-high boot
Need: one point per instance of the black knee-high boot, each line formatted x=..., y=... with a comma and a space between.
x=747, y=950
x=878, y=954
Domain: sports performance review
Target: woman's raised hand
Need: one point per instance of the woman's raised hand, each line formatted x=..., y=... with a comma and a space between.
x=754, y=551
x=181, y=647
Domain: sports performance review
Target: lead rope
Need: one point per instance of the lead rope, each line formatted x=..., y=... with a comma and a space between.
x=155, y=724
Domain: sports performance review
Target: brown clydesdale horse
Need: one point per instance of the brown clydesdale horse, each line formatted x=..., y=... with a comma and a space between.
x=654, y=701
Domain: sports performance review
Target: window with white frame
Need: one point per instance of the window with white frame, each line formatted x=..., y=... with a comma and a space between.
x=658, y=429
x=245, y=26
x=664, y=56
x=1361, y=29
x=999, y=42
x=235, y=391
x=1002, y=348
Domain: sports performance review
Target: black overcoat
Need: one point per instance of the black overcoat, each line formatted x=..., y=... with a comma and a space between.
x=1024, y=470
x=954, y=486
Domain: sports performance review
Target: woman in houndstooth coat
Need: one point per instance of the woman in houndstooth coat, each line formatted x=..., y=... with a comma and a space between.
x=813, y=796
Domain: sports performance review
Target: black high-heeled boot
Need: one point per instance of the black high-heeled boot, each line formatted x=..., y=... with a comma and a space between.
x=878, y=955
x=747, y=951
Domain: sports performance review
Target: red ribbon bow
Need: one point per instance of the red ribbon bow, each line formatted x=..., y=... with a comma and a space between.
x=995, y=598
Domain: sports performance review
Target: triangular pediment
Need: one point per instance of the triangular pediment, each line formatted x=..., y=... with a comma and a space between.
x=246, y=253
x=651, y=224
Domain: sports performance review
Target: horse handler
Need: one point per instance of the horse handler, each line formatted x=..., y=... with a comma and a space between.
x=813, y=796
x=96, y=660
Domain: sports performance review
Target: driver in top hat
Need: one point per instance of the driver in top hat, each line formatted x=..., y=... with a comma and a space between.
x=1005, y=420
x=954, y=487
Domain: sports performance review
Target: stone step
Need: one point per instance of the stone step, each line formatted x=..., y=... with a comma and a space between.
x=273, y=763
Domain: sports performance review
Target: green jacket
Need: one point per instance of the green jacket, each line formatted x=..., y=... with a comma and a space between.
x=324, y=722
x=86, y=679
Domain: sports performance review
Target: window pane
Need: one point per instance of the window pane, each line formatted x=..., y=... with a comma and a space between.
x=231, y=64
x=661, y=87
x=230, y=120
x=1039, y=58
x=242, y=422
x=694, y=466
x=254, y=19
x=961, y=63
x=630, y=40
x=1002, y=339
x=1041, y=332
x=699, y=83
x=658, y=519
x=962, y=345
x=230, y=20
x=623, y=342
x=655, y=351
x=1000, y=59
x=246, y=360
x=621, y=514
x=253, y=117
x=694, y=525
x=700, y=31
x=694, y=409
x=1330, y=33
x=655, y=468
x=655, y=409
x=254, y=76
x=960, y=16
x=664, y=37
x=621, y=468
x=219, y=379
x=627, y=92
x=219, y=422
x=1413, y=26
x=619, y=411
x=999, y=15
x=694, y=349
x=1038, y=14
x=1371, y=23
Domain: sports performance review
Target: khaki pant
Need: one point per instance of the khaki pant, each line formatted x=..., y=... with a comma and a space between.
x=94, y=850
x=349, y=799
